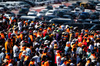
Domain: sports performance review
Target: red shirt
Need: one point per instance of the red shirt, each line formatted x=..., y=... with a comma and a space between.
x=9, y=34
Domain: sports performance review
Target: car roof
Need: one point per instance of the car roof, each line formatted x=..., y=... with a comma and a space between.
x=98, y=4
x=28, y=17
x=61, y=19
x=50, y=16
x=51, y=10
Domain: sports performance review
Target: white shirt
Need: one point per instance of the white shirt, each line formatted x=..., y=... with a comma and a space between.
x=63, y=64
x=98, y=64
x=28, y=50
x=97, y=44
x=37, y=59
x=91, y=47
x=10, y=64
x=15, y=51
x=20, y=25
x=58, y=60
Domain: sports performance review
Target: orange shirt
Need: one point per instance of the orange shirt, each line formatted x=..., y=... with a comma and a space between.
x=26, y=58
x=2, y=35
x=20, y=54
x=31, y=63
x=31, y=37
x=21, y=35
x=18, y=36
x=46, y=63
x=7, y=56
x=23, y=48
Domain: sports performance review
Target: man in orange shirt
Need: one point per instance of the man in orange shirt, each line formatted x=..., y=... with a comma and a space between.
x=7, y=46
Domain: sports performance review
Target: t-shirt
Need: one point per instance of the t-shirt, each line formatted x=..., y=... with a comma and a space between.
x=10, y=64
x=28, y=50
x=58, y=59
x=91, y=47
x=37, y=59
x=20, y=25
x=2, y=55
x=15, y=51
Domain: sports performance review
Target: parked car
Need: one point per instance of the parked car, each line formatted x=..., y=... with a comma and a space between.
x=22, y=4
x=96, y=21
x=80, y=20
x=88, y=11
x=75, y=4
x=67, y=9
x=67, y=16
x=95, y=15
x=22, y=11
x=51, y=12
x=94, y=27
x=1, y=9
x=32, y=3
x=4, y=7
x=44, y=10
x=41, y=3
x=78, y=2
x=78, y=10
x=62, y=6
x=9, y=14
x=88, y=20
x=73, y=14
x=49, y=17
x=41, y=13
x=61, y=21
x=61, y=13
x=32, y=13
x=49, y=7
x=46, y=2
x=10, y=5
x=71, y=7
x=84, y=15
x=52, y=1
x=32, y=18
x=98, y=8
x=91, y=5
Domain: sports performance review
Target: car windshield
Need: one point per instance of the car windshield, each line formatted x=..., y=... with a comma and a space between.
x=22, y=3
x=39, y=0
x=41, y=12
x=1, y=5
x=7, y=4
x=44, y=10
x=50, y=12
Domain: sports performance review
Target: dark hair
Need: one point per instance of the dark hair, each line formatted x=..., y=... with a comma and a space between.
x=37, y=53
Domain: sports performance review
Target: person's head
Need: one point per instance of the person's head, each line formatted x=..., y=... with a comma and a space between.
x=37, y=54
x=41, y=51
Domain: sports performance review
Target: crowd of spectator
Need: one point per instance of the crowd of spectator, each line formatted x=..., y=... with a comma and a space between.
x=29, y=43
